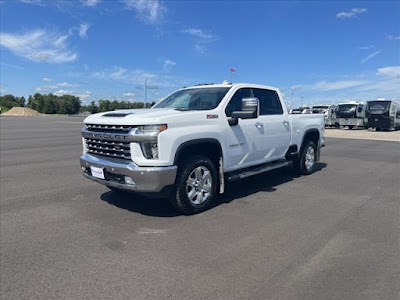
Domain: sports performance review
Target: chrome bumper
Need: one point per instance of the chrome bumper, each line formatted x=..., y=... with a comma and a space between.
x=144, y=179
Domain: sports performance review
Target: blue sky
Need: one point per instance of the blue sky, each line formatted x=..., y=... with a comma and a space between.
x=320, y=52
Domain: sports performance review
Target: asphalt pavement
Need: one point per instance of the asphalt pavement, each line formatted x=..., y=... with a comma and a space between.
x=331, y=235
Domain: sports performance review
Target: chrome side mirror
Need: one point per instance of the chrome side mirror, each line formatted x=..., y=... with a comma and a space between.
x=250, y=109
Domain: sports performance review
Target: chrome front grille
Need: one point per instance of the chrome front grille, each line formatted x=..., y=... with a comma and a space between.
x=109, y=128
x=105, y=146
x=109, y=148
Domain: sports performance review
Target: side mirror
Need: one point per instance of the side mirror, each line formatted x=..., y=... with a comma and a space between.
x=250, y=109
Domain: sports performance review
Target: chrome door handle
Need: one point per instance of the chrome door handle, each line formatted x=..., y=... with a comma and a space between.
x=259, y=125
x=286, y=123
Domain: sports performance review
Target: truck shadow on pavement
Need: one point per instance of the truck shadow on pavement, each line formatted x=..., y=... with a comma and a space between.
x=160, y=207
x=265, y=182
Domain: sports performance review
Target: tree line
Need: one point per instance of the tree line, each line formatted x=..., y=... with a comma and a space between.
x=65, y=104
x=107, y=105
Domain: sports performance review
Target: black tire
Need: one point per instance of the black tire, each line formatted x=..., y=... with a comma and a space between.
x=378, y=129
x=301, y=164
x=351, y=127
x=186, y=170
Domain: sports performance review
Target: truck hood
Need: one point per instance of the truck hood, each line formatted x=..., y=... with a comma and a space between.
x=143, y=116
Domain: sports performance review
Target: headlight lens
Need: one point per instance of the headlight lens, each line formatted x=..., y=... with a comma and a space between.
x=150, y=149
x=152, y=128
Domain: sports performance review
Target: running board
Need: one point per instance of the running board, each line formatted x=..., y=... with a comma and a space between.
x=236, y=175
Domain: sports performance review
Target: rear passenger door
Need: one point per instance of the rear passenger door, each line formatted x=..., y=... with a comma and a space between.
x=275, y=120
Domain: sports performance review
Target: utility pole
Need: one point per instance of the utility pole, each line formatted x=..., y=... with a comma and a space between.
x=145, y=93
x=302, y=100
x=291, y=100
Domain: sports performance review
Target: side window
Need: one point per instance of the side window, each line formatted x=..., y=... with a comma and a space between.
x=235, y=103
x=269, y=102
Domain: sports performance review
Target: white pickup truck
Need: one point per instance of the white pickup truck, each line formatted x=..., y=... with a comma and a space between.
x=197, y=138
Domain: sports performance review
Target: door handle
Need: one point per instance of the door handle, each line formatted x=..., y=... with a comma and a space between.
x=286, y=123
x=259, y=125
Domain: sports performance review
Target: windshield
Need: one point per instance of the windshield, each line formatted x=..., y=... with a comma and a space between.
x=319, y=109
x=194, y=99
x=378, y=106
x=346, y=107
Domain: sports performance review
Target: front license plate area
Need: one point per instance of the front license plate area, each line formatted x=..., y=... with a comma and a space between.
x=97, y=172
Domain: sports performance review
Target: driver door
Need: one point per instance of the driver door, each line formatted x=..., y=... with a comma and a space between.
x=245, y=141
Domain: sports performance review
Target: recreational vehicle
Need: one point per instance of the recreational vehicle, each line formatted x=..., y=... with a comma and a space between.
x=351, y=114
x=330, y=113
x=383, y=115
x=300, y=110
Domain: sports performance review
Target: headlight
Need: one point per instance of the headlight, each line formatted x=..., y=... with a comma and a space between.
x=150, y=148
x=151, y=128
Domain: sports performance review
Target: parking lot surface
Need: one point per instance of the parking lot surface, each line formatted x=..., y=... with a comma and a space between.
x=331, y=235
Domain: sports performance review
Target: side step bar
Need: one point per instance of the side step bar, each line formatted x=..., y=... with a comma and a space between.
x=236, y=175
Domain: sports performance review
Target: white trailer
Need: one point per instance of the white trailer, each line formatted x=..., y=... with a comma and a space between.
x=330, y=114
x=351, y=114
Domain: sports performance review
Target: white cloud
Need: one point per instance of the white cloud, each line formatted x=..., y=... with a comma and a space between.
x=296, y=87
x=393, y=71
x=82, y=95
x=90, y=3
x=365, y=59
x=200, y=48
x=66, y=84
x=367, y=47
x=54, y=87
x=168, y=64
x=128, y=95
x=351, y=13
x=393, y=38
x=122, y=74
x=83, y=28
x=39, y=45
x=198, y=33
x=36, y=2
x=336, y=85
x=46, y=79
x=148, y=11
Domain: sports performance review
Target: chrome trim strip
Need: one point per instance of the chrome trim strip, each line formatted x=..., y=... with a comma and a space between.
x=118, y=137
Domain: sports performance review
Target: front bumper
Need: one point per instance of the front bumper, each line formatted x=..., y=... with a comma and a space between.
x=144, y=179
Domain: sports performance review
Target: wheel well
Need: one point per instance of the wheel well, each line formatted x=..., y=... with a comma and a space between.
x=210, y=148
x=312, y=135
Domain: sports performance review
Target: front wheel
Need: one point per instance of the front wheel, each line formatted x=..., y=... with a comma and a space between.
x=196, y=185
x=305, y=163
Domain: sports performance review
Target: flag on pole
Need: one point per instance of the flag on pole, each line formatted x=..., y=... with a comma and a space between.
x=233, y=70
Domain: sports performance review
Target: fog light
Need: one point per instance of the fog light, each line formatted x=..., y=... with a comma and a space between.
x=129, y=180
x=83, y=169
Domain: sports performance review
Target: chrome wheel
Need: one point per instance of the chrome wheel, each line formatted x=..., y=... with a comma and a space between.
x=199, y=185
x=310, y=157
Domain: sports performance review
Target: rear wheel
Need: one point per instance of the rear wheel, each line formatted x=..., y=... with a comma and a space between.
x=305, y=163
x=196, y=185
x=351, y=127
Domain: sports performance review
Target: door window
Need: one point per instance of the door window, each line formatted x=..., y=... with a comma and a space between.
x=269, y=102
x=236, y=102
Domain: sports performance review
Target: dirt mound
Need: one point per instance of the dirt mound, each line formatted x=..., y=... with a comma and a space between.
x=22, y=111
